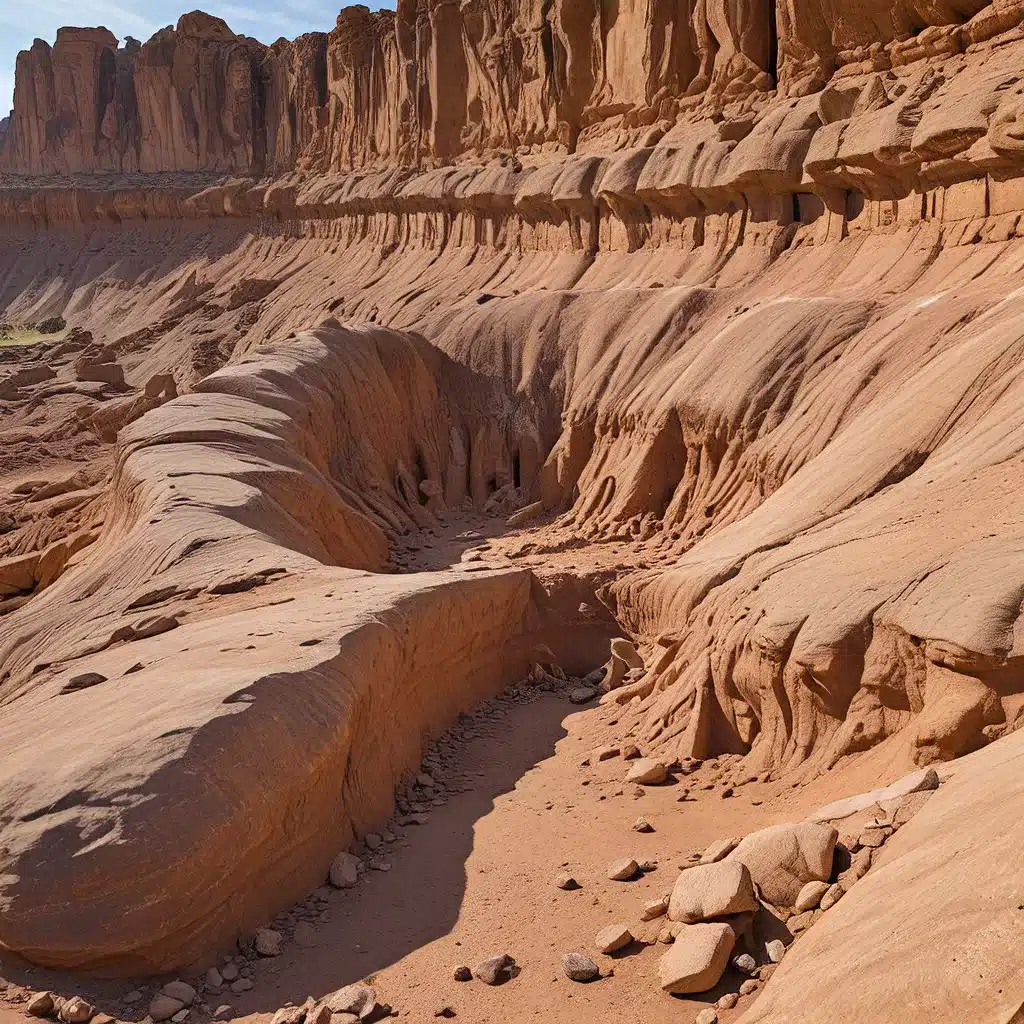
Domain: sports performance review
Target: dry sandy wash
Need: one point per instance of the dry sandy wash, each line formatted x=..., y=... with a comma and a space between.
x=465, y=476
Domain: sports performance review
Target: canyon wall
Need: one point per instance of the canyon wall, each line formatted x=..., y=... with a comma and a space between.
x=887, y=91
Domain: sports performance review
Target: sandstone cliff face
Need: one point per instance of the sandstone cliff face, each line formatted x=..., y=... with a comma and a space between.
x=436, y=82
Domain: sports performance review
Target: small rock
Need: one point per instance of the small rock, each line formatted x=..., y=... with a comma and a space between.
x=223, y=1011
x=373, y=841
x=424, y=780
x=706, y=1016
x=579, y=967
x=833, y=896
x=642, y=825
x=801, y=922
x=495, y=969
x=647, y=772
x=605, y=753
x=654, y=909
x=320, y=1013
x=268, y=942
x=135, y=996
x=445, y=1011
x=289, y=1015
x=810, y=896
x=40, y=1005
x=612, y=938
x=776, y=950
x=229, y=972
x=103, y=1018
x=344, y=871
x=181, y=991
x=582, y=695
x=242, y=985
x=76, y=1011
x=872, y=838
x=728, y=1001
x=359, y=999
x=630, y=752
x=745, y=963
x=213, y=978
x=566, y=881
x=623, y=870
x=180, y=1017
x=718, y=850
x=726, y=793
x=749, y=987
x=463, y=974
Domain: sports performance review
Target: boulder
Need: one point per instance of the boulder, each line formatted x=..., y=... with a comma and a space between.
x=697, y=959
x=712, y=890
x=782, y=859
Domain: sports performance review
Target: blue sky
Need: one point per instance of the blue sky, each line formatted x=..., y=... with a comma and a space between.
x=21, y=21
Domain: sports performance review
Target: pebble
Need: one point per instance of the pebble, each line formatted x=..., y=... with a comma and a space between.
x=180, y=1017
x=213, y=978
x=242, y=985
x=749, y=987
x=566, y=881
x=745, y=963
x=135, y=996
x=462, y=974
x=229, y=972
x=222, y=1011
x=728, y=1001
x=582, y=695
x=612, y=938
x=642, y=825
x=630, y=752
x=810, y=896
x=623, y=870
x=776, y=950
x=579, y=967
x=445, y=1011
x=374, y=841
x=707, y=1016
x=606, y=753
x=495, y=969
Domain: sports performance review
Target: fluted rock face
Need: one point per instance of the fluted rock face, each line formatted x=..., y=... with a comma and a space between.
x=74, y=105
x=819, y=94
x=436, y=81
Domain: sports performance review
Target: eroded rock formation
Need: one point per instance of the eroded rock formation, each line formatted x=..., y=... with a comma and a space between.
x=725, y=288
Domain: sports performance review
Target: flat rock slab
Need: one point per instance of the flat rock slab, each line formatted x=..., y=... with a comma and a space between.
x=697, y=958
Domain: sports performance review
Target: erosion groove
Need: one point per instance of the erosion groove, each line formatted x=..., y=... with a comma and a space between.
x=347, y=381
